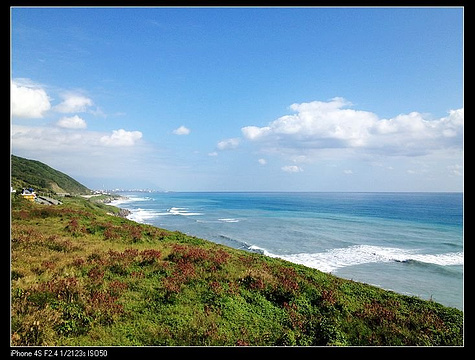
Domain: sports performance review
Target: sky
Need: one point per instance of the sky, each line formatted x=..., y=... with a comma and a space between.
x=241, y=98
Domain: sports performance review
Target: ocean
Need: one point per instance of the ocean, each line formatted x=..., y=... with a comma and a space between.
x=410, y=243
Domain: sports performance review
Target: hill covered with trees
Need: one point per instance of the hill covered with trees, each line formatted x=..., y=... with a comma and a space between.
x=27, y=173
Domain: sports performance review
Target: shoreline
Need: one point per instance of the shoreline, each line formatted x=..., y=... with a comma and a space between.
x=147, y=279
x=340, y=258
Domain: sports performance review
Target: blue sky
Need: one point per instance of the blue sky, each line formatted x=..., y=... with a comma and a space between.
x=241, y=99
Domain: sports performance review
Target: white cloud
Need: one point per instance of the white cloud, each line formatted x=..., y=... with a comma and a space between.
x=317, y=124
x=121, y=137
x=28, y=100
x=182, y=130
x=81, y=154
x=291, y=168
x=262, y=161
x=348, y=172
x=228, y=144
x=73, y=122
x=214, y=153
x=73, y=103
x=255, y=133
x=331, y=125
x=51, y=139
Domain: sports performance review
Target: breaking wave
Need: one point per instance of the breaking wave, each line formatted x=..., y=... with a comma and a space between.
x=333, y=259
x=143, y=215
x=182, y=212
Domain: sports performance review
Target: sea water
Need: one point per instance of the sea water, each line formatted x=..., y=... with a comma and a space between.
x=411, y=243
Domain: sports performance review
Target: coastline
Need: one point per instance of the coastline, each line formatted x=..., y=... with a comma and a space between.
x=140, y=285
x=365, y=262
x=112, y=200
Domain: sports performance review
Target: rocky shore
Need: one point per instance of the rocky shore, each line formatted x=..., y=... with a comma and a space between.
x=123, y=213
x=108, y=199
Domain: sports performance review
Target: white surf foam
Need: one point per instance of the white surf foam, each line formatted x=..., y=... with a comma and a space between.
x=260, y=250
x=440, y=259
x=333, y=259
x=182, y=212
x=129, y=199
x=143, y=215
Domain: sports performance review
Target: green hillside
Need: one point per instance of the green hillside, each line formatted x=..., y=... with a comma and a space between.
x=42, y=178
x=80, y=276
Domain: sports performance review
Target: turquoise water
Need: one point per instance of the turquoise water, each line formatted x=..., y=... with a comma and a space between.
x=411, y=243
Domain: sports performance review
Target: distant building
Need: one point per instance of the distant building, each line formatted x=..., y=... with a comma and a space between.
x=29, y=194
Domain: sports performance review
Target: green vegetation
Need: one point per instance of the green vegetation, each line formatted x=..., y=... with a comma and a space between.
x=80, y=276
x=31, y=173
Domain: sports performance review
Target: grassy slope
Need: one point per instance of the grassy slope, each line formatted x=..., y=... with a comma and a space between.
x=82, y=277
x=26, y=173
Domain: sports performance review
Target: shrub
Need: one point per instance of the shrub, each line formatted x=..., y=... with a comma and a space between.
x=74, y=320
x=75, y=228
x=67, y=289
x=149, y=256
x=37, y=329
x=112, y=233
